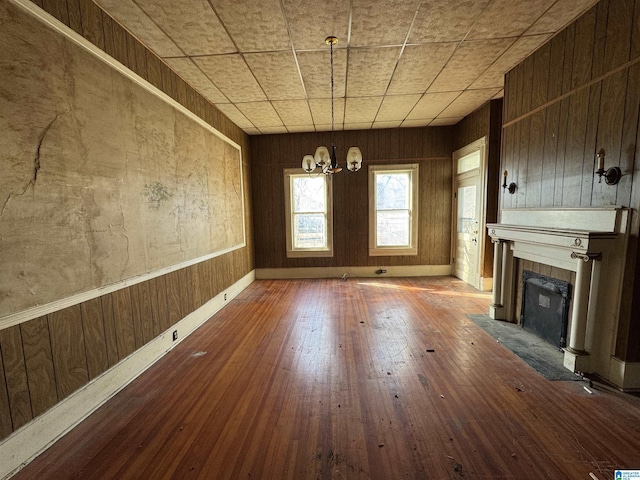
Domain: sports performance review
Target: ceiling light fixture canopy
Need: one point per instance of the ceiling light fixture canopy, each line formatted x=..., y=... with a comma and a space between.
x=327, y=159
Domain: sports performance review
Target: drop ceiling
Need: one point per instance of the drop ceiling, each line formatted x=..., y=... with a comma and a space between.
x=398, y=63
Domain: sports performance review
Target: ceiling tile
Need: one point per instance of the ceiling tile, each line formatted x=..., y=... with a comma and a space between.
x=277, y=73
x=235, y=115
x=387, y=124
x=357, y=126
x=190, y=72
x=431, y=104
x=383, y=22
x=468, y=101
x=416, y=123
x=129, y=15
x=232, y=76
x=261, y=114
x=445, y=20
x=321, y=112
x=445, y=121
x=469, y=61
x=293, y=112
x=310, y=22
x=560, y=14
x=316, y=72
x=500, y=94
x=508, y=18
x=494, y=75
x=418, y=67
x=268, y=26
x=251, y=131
x=193, y=26
x=301, y=128
x=396, y=107
x=270, y=130
x=361, y=109
x=369, y=70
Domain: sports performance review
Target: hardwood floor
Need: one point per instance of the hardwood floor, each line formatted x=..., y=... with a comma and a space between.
x=356, y=379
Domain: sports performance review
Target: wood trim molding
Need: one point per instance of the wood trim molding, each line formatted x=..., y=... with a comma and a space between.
x=29, y=441
x=35, y=312
x=348, y=272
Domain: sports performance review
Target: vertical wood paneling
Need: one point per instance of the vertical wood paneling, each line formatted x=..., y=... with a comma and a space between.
x=610, y=123
x=56, y=8
x=110, y=335
x=590, y=147
x=540, y=85
x=619, y=28
x=549, y=155
x=94, y=337
x=174, y=303
x=574, y=153
x=15, y=374
x=67, y=346
x=141, y=296
x=159, y=304
x=75, y=15
x=91, y=17
x=6, y=424
x=39, y=364
x=583, y=49
x=563, y=127
x=535, y=160
x=556, y=65
x=276, y=152
x=123, y=321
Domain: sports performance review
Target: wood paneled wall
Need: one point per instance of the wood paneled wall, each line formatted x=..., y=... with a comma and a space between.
x=44, y=360
x=576, y=94
x=430, y=147
x=485, y=122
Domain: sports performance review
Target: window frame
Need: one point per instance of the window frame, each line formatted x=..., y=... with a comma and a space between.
x=376, y=250
x=292, y=252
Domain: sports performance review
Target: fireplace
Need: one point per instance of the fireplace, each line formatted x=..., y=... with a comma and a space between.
x=545, y=307
x=591, y=243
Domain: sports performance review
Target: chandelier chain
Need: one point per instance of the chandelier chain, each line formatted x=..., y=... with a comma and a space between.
x=332, y=113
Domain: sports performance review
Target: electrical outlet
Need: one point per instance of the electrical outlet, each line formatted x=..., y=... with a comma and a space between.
x=175, y=335
x=225, y=297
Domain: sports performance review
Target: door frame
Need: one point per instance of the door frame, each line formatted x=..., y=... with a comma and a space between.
x=483, y=284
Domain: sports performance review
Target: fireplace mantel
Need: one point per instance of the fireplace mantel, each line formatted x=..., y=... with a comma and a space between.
x=589, y=241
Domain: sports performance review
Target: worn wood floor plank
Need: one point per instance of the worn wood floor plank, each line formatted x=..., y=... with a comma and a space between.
x=357, y=379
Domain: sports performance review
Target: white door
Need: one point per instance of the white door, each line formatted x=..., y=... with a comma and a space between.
x=469, y=215
x=467, y=228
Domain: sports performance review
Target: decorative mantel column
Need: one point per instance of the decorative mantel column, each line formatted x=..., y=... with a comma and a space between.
x=576, y=358
x=496, y=309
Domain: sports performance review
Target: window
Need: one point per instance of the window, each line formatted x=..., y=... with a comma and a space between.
x=309, y=214
x=393, y=209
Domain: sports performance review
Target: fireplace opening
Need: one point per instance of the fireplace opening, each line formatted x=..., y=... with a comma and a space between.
x=545, y=307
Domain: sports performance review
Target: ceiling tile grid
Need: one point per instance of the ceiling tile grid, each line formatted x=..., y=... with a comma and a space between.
x=397, y=63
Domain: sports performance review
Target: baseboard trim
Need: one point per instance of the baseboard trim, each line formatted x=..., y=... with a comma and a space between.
x=29, y=441
x=625, y=375
x=339, y=272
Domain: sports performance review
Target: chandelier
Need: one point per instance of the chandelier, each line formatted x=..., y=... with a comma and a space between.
x=327, y=159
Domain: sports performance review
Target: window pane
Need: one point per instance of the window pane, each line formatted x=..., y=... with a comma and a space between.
x=308, y=194
x=393, y=228
x=467, y=209
x=392, y=191
x=469, y=162
x=309, y=231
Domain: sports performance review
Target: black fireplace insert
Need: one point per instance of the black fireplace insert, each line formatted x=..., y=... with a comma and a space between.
x=545, y=307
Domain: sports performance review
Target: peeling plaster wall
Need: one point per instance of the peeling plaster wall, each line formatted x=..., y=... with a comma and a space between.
x=102, y=180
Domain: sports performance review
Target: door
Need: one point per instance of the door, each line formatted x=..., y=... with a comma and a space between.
x=466, y=253
x=468, y=221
